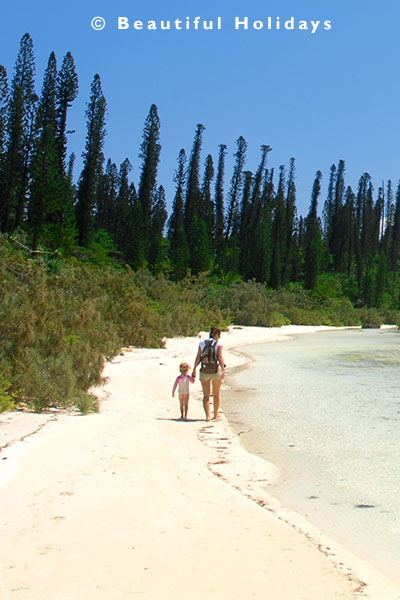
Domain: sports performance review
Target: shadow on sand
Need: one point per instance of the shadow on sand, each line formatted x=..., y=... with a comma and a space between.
x=179, y=420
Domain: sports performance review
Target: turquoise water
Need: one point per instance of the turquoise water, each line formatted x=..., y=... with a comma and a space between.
x=325, y=408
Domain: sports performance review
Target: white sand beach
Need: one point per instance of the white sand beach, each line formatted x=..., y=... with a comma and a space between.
x=135, y=503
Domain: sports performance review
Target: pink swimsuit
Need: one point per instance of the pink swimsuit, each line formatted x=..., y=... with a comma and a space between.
x=183, y=382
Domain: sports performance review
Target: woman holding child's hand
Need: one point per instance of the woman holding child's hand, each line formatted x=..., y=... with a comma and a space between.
x=212, y=370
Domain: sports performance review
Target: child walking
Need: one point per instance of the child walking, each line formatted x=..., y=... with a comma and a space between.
x=182, y=383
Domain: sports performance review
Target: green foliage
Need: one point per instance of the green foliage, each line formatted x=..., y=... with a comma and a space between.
x=202, y=255
x=370, y=317
x=59, y=322
x=185, y=307
x=339, y=312
x=328, y=285
x=390, y=316
x=251, y=304
x=324, y=306
x=87, y=403
x=6, y=400
x=100, y=251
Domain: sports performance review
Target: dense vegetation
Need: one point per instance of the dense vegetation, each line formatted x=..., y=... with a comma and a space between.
x=87, y=268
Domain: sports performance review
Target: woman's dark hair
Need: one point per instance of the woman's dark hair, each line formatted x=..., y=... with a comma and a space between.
x=214, y=330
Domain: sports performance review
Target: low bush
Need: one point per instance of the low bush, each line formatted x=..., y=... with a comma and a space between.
x=250, y=303
x=370, y=317
x=6, y=400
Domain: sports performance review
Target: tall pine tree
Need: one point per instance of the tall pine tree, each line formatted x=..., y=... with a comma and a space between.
x=150, y=154
x=3, y=127
x=47, y=184
x=67, y=91
x=232, y=214
x=232, y=219
x=278, y=234
x=245, y=237
x=336, y=246
x=207, y=207
x=260, y=249
x=158, y=250
x=20, y=130
x=3, y=109
x=123, y=221
x=290, y=224
x=93, y=162
x=193, y=201
x=105, y=213
x=219, y=240
x=198, y=236
x=327, y=215
x=178, y=244
x=255, y=230
x=395, y=242
x=313, y=245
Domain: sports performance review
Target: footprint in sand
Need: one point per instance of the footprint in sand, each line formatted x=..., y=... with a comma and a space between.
x=45, y=549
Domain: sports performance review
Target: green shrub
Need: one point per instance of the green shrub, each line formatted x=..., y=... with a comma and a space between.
x=6, y=400
x=390, y=316
x=184, y=307
x=329, y=285
x=370, y=317
x=59, y=323
x=340, y=313
x=250, y=303
x=87, y=403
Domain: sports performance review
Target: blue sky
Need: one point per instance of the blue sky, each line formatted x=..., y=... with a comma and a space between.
x=320, y=97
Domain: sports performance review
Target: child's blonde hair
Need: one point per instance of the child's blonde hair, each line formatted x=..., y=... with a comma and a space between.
x=184, y=366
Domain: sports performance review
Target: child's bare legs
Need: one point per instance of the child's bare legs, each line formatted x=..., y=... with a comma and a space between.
x=205, y=384
x=216, y=386
x=184, y=404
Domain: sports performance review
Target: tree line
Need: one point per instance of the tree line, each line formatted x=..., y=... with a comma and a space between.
x=243, y=226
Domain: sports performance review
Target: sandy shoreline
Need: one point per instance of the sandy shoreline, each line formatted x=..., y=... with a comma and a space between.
x=132, y=502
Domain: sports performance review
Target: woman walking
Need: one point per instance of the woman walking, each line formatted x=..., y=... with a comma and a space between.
x=212, y=370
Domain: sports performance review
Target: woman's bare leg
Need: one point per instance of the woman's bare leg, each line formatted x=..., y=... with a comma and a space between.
x=216, y=385
x=205, y=384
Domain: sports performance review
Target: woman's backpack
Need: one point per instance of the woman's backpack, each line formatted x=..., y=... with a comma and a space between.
x=209, y=360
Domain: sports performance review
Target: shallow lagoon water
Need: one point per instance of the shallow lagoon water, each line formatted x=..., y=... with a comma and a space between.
x=325, y=408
